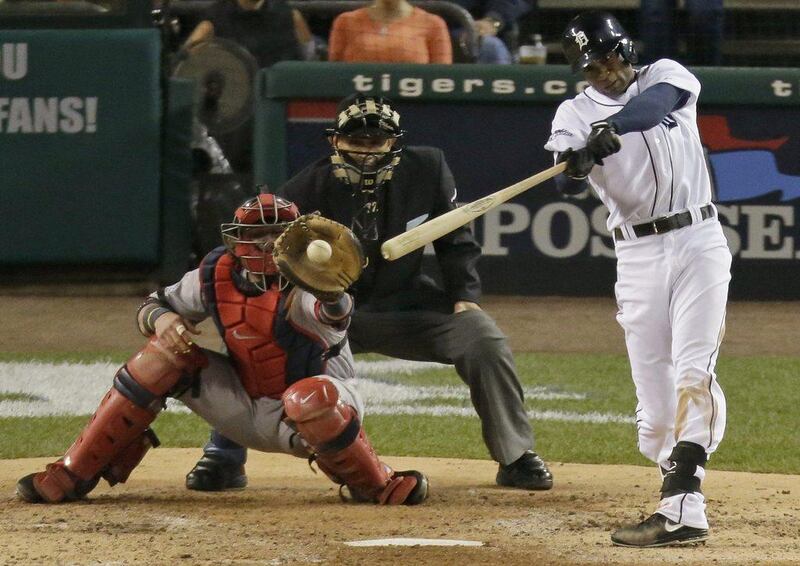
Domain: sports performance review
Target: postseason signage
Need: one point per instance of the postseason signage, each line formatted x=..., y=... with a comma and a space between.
x=543, y=243
x=40, y=114
x=80, y=118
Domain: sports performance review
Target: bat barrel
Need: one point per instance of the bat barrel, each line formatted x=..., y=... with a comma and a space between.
x=433, y=229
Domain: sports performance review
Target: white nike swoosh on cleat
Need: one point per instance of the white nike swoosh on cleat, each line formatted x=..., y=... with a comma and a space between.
x=671, y=527
x=244, y=336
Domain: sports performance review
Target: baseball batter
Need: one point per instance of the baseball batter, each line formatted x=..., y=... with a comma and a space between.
x=284, y=387
x=632, y=135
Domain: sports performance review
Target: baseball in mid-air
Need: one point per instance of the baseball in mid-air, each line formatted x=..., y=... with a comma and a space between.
x=319, y=251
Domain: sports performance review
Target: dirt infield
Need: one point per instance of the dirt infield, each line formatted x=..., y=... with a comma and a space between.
x=290, y=516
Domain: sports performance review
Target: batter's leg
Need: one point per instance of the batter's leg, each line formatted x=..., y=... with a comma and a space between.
x=642, y=292
x=698, y=318
x=698, y=313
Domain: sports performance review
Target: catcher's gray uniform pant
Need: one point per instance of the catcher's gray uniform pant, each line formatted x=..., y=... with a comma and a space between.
x=253, y=423
x=472, y=342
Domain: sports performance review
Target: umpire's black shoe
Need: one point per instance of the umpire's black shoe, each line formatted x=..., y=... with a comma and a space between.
x=214, y=473
x=657, y=530
x=527, y=472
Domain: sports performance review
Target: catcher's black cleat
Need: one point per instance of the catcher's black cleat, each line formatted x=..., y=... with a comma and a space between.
x=408, y=487
x=657, y=530
x=420, y=491
x=26, y=491
x=527, y=472
x=26, y=488
x=213, y=473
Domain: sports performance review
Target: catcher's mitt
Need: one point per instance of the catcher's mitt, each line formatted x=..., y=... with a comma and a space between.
x=326, y=280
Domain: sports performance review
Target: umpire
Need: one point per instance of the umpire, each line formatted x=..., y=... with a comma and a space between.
x=381, y=190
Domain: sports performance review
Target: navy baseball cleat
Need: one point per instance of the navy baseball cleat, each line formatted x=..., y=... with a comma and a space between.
x=527, y=472
x=212, y=473
x=657, y=530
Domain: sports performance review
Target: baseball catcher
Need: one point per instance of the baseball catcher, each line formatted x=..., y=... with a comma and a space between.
x=285, y=385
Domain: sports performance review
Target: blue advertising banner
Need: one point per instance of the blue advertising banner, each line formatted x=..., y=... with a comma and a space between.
x=79, y=146
x=542, y=243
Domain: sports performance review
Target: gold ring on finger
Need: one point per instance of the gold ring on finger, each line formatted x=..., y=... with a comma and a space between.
x=180, y=329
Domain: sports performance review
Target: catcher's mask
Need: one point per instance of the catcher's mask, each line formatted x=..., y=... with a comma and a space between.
x=250, y=236
x=365, y=123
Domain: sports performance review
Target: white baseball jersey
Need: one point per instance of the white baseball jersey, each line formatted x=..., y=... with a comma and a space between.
x=676, y=179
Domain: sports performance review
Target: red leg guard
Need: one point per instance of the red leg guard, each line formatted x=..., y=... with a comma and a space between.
x=158, y=369
x=342, y=449
x=117, y=436
x=116, y=424
x=119, y=470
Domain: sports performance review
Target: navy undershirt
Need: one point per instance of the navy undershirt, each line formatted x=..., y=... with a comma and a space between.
x=641, y=113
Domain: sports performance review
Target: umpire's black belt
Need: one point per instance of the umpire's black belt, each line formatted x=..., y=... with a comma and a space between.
x=664, y=223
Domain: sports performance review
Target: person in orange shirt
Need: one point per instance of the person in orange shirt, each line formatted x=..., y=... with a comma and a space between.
x=390, y=31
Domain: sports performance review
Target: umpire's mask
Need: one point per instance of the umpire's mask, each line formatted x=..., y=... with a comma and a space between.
x=364, y=142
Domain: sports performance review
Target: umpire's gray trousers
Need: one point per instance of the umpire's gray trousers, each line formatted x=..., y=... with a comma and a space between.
x=469, y=340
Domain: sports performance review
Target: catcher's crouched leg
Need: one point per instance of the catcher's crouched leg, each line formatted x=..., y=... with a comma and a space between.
x=341, y=447
x=118, y=435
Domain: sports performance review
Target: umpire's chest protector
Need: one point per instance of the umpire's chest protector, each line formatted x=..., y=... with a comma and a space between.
x=247, y=325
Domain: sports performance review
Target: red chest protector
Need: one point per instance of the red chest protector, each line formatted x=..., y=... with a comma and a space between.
x=248, y=324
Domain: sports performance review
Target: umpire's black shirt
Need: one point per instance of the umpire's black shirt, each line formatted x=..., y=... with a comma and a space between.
x=421, y=188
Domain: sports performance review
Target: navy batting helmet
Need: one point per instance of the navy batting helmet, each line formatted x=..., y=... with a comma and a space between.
x=591, y=35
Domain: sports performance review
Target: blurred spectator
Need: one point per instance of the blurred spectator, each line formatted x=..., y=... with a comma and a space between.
x=493, y=19
x=390, y=31
x=269, y=29
x=702, y=32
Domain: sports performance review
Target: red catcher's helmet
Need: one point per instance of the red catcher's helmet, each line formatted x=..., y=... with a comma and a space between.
x=256, y=225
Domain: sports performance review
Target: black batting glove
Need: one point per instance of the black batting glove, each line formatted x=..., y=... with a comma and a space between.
x=603, y=140
x=579, y=163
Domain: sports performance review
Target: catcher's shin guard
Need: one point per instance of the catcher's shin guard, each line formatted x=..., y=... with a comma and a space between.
x=342, y=449
x=117, y=437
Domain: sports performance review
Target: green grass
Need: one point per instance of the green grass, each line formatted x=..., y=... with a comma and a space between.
x=762, y=393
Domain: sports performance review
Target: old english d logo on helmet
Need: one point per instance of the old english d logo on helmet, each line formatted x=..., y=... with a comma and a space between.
x=580, y=39
x=592, y=35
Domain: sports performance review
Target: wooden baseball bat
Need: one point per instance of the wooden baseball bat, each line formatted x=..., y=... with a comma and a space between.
x=435, y=228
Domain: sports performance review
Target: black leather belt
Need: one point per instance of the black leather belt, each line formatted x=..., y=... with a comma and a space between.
x=665, y=223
